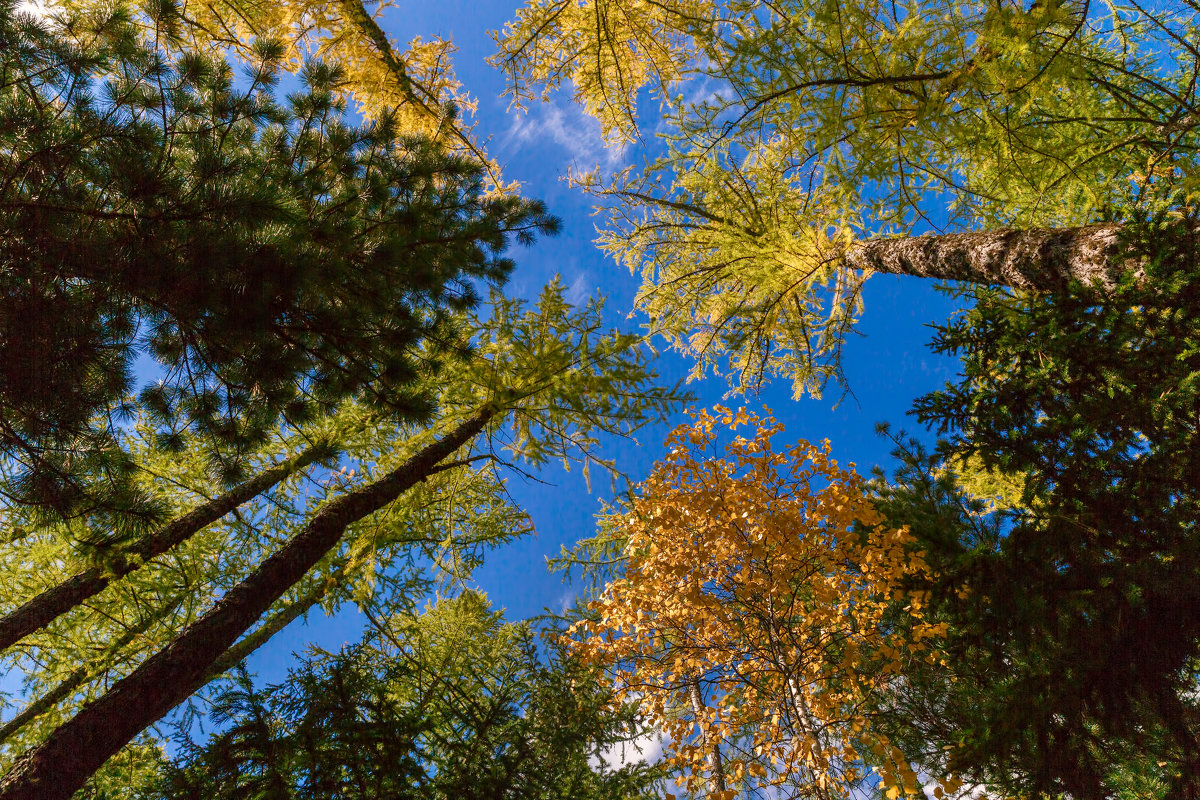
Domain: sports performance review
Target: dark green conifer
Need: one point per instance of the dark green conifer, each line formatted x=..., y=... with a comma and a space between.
x=1075, y=614
x=270, y=256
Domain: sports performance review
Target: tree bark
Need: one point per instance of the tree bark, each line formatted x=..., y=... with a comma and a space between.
x=716, y=780
x=77, y=678
x=56, y=601
x=59, y=766
x=1036, y=258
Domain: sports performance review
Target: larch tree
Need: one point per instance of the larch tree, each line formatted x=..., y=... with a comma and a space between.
x=759, y=615
x=1017, y=146
x=540, y=384
x=331, y=412
x=811, y=143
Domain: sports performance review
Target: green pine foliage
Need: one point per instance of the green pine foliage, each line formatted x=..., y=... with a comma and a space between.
x=272, y=257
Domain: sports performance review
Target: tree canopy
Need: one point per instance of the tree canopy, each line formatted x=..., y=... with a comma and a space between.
x=451, y=703
x=415, y=85
x=332, y=414
x=755, y=615
x=540, y=384
x=272, y=257
x=806, y=141
x=1074, y=637
x=339, y=389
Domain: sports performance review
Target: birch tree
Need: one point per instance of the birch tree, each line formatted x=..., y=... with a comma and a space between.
x=760, y=614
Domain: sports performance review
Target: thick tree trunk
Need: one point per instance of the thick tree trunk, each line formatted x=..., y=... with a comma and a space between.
x=1037, y=258
x=59, y=766
x=78, y=677
x=55, y=601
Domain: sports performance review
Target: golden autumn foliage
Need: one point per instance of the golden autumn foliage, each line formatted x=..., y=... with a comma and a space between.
x=761, y=614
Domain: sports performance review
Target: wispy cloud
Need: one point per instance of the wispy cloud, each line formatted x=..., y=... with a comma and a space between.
x=567, y=128
x=580, y=289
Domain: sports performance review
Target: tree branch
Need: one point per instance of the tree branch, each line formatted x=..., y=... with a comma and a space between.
x=59, y=766
x=58, y=600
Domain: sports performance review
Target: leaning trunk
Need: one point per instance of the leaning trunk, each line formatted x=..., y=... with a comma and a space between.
x=1035, y=258
x=59, y=766
x=72, y=592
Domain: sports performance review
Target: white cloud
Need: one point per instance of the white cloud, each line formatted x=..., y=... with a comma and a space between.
x=566, y=601
x=579, y=290
x=568, y=128
x=646, y=748
x=36, y=7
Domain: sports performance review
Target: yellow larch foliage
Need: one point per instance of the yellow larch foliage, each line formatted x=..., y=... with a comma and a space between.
x=761, y=614
x=606, y=50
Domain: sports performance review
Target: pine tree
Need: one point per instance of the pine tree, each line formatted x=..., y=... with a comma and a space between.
x=303, y=284
x=270, y=256
x=541, y=383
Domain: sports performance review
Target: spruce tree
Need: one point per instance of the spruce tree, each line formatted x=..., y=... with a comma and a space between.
x=1073, y=604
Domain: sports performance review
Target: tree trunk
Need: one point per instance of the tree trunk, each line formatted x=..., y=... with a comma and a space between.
x=1037, y=258
x=57, y=600
x=59, y=766
x=716, y=781
x=78, y=677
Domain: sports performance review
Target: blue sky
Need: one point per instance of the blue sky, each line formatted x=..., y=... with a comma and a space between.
x=888, y=365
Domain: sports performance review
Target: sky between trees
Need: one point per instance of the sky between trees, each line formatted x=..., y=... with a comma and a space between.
x=887, y=367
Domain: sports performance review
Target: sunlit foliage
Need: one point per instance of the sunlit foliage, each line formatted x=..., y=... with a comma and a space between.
x=412, y=84
x=794, y=129
x=761, y=613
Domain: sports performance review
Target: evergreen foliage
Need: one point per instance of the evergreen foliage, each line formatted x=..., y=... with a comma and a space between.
x=412, y=83
x=452, y=703
x=1074, y=611
x=272, y=257
x=541, y=383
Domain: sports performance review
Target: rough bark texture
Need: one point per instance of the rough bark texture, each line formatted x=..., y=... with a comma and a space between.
x=56, y=601
x=263, y=633
x=60, y=765
x=77, y=678
x=1037, y=258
